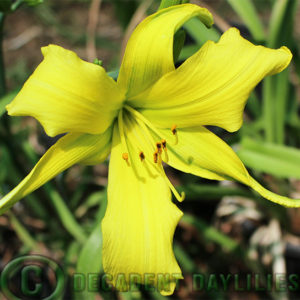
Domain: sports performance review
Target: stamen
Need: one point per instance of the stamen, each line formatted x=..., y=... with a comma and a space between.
x=155, y=157
x=173, y=129
x=179, y=197
x=158, y=147
x=125, y=155
x=142, y=155
x=164, y=145
x=141, y=120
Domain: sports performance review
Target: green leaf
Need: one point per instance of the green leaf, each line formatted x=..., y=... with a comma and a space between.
x=22, y=232
x=92, y=200
x=63, y=211
x=211, y=234
x=179, y=39
x=167, y=3
x=282, y=18
x=282, y=92
x=90, y=258
x=247, y=12
x=124, y=11
x=186, y=263
x=280, y=33
x=200, y=33
x=188, y=51
x=18, y=3
x=194, y=192
x=65, y=215
x=33, y=2
x=268, y=108
x=278, y=160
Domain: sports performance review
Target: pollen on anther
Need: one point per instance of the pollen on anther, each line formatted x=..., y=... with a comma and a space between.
x=125, y=156
x=142, y=155
x=173, y=129
x=158, y=147
x=155, y=156
x=164, y=144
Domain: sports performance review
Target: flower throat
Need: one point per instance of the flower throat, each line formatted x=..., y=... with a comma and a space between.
x=148, y=144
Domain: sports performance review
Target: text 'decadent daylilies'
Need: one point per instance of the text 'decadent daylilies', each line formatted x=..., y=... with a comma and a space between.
x=154, y=113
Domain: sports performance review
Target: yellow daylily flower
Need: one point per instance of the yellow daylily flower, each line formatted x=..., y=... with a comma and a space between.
x=154, y=113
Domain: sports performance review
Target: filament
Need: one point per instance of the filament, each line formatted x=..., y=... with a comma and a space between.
x=125, y=155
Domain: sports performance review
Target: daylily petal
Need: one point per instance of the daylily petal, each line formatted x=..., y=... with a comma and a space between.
x=67, y=94
x=212, y=86
x=69, y=150
x=140, y=221
x=149, y=52
x=200, y=152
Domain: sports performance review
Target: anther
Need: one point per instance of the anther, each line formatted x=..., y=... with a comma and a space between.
x=125, y=156
x=173, y=129
x=155, y=156
x=142, y=155
x=164, y=144
x=158, y=147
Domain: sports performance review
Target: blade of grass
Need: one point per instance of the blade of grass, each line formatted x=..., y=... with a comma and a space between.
x=200, y=33
x=276, y=22
x=278, y=160
x=282, y=92
x=65, y=215
x=167, y=3
x=187, y=51
x=91, y=201
x=247, y=12
x=269, y=109
x=284, y=37
x=211, y=234
x=254, y=105
x=186, y=263
x=22, y=232
x=280, y=33
x=209, y=192
x=90, y=258
x=14, y=177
